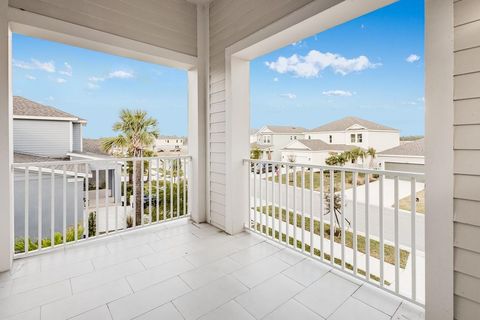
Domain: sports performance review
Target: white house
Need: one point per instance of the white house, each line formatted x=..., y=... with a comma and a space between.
x=271, y=139
x=408, y=156
x=170, y=144
x=311, y=151
x=356, y=132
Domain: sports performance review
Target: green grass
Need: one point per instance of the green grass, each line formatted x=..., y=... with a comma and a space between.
x=389, y=250
x=316, y=252
x=326, y=180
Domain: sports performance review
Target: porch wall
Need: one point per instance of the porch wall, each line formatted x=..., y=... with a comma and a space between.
x=231, y=21
x=170, y=24
x=467, y=158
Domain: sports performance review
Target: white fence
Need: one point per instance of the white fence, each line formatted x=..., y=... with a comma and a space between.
x=64, y=202
x=378, y=235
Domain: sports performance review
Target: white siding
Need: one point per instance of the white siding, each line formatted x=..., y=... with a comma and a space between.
x=169, y=24
x=231, y=21
x=467, y=156
x=46, y=138
x=77, y=142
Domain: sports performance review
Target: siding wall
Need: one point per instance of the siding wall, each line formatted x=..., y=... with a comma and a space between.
x=231, y=21
x=77, y=137
x=47, y=138
x=168, y=24
x=467, y=158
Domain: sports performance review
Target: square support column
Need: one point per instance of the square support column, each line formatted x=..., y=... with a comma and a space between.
x=6, y=143
x=197, y=120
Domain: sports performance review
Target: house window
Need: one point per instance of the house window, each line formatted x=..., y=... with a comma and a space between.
x=359, y=137
x=330, y=138
x=309, y=137
x=352, y=138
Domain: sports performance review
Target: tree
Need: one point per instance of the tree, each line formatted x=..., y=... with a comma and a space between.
x=337, y=211
x=137, y=132
x=372, y=153
x=255, y=153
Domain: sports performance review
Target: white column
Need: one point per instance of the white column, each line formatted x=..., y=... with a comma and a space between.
x=6, y=143
x=439, y=159
x=237, y=142
x=197, y=136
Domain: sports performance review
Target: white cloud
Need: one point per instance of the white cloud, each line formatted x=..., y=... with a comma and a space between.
x=34, y=64
x=314, y=62
x=412, y=58
x=289, y=95
x=421, y=99
x=117, y=74
x=67, y=71
x=30, y=77
x=91, y=85
x=297, y=43
x=60, y=80
x=121, y=74
x=96, y=79
x=338, y=93
x=275, y=79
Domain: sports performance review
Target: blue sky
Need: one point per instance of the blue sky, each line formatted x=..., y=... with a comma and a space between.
x=371, y=67
x=95, y=86
x=375, y=71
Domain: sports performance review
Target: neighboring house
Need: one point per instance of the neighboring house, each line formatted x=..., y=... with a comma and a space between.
x=170, y=144
x=253, y=135
x=356, y=132
x=409, y=156
x=271, y=139
x=45, y=131
x=43, y=134
x=311, y=151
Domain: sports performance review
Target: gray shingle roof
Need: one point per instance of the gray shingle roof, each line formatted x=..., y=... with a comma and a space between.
x=319, y=145
x=286, y=129
x=93, y=146
x=25, y=107
x=413, y=148
x=347, y=122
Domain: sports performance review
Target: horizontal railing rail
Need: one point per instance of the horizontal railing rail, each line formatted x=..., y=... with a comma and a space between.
x=60, y=203
x=362, y=221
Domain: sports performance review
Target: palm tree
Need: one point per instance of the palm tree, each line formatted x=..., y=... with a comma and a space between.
x=137, y=132
x=372, y=153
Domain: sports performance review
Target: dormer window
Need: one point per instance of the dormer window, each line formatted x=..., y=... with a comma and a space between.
x=359, y=138
x=330, y=138
x=352, y=138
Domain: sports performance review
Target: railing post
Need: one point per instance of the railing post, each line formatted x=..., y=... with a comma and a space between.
x=6, y=142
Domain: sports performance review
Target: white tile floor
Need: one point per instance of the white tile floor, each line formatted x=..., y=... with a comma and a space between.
x=185, y=271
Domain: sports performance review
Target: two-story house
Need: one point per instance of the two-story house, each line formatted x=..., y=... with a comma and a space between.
x=356, y=132
x=170, y=144
x=42, y=135
x=271, y=139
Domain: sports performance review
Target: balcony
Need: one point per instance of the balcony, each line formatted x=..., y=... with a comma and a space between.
x=180, y=270
x=98, y=260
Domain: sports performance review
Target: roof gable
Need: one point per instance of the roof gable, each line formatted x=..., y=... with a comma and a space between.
x=24, y=108
x=350, y=123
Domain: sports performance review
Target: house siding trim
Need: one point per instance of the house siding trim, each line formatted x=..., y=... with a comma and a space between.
x=439, y=159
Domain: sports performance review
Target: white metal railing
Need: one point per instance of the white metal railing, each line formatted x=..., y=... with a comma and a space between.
x=57, y=203
x=377, y=234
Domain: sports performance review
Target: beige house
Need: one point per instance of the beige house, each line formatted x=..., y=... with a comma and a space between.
x=315, y=152
x=408, y=156
x=252, y=276
x=271, y=139
x=356, y=132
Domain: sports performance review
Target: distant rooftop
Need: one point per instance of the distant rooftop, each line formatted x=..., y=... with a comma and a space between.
x=347, y=122
x=23, y=107
x=411, y=148
x=319, y=145
x=93, y=146
x=285, y=129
